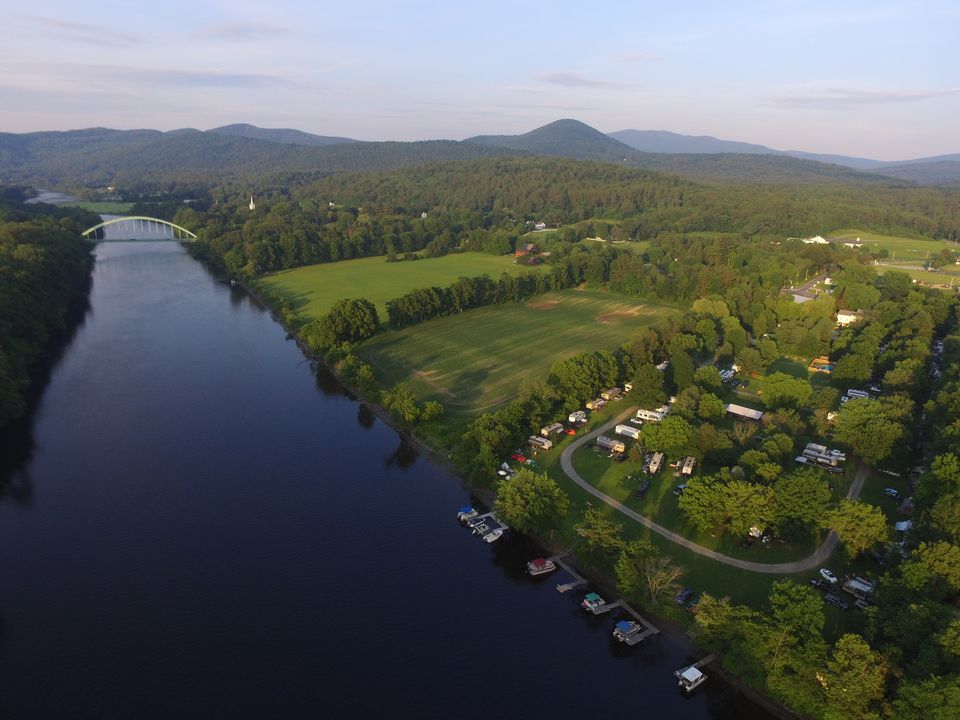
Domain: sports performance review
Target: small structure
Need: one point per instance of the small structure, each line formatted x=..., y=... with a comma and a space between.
x=689, y=463
x=744, y=412
x=613, y=393
x=653, y=415
x=527, y=249
x=596, y=404
x=614, y=446
x=253, y=205
x=847, y=317
x=821, y=364
x=578, y=417
x=853, y=244
x=816, y=240
x=859, y=588
x=628, y=431
x=423, y=215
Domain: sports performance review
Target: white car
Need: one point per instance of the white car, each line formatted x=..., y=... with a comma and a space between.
x=828, y=576
x=891, y=492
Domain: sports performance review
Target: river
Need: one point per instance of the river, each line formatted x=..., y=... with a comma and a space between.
x=197, y=524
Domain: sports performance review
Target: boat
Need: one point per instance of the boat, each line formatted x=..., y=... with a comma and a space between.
x=480, y=528
x=690, y=678
x=628, y=631
x=592, y=602
x=541, y=566
x=466, y=513
x=493, y=535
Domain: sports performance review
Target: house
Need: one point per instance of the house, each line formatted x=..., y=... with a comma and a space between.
x=253, y=205
x=527, y=249
x=816, y=240
x=846, y=317
x=539, y=226
x=744, y=412
x=853, y=244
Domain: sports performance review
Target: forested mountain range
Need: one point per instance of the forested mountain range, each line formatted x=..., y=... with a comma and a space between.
x=97, y=157
x=938, y=170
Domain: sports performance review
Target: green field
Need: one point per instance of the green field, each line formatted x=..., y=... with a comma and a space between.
x=947, y=275
x=475, y=361
x=106, y=207
x=902, y=248
x=313, y=289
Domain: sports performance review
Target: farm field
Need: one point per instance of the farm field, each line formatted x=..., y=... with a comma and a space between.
x=475, y=361
x=107, y=207
x=313, y=289
x=947, y=275
x=906, y=248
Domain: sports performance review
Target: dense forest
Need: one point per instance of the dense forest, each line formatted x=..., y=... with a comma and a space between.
x=488, y=205
x=44, y=271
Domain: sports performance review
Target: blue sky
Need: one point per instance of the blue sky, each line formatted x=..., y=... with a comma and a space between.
x=875, y=79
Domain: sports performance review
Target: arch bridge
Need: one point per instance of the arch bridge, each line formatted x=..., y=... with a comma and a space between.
x=140, y=227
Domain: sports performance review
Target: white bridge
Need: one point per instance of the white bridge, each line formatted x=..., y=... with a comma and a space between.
x=138, y=227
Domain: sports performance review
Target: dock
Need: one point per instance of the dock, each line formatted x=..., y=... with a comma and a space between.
x=578, y=580
x=705, y=661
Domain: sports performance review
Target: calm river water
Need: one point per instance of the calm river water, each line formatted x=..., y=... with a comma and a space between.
x=195, y=524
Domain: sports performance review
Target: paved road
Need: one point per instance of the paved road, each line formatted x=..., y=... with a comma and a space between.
x=808, y=563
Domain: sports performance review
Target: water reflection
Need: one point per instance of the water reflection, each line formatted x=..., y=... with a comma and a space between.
x=404, y=456
x=365, y=416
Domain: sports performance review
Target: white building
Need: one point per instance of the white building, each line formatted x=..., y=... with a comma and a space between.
x=817, y=240
x=846, y=317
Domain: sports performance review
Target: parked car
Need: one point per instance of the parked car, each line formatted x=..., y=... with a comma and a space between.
x=684, y=596
x=891, y=492
x=642, y=490
x=747, y=542
x=818, y=584
x=518, y=457
x=680, y=489
x=837, y=601
x=828, y=576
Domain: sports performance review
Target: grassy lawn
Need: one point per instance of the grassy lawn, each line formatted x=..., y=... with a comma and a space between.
x=474, y=361
x=906, y=248
x=947, y=275
x=107, y=207
x=750, y=394
x=313, y=289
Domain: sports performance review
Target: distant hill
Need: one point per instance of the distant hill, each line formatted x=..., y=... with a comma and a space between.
x=939, y=170
x=574, y=139
x=563, y=138
x=286, y=136
x=100, y=156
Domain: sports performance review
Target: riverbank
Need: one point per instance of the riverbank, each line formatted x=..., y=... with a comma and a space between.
x=604, y=581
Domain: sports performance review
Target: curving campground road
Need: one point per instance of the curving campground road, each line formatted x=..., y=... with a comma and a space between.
x=811, y=562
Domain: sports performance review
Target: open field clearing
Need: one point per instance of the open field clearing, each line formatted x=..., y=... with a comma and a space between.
x=906, y=248
x=947, y=275
x=313, y=289
x=475, y=361
x=106, y=206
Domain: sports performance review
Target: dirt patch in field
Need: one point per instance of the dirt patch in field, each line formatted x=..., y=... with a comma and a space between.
x=609, y=317
x=428, y=378
x=543, y=305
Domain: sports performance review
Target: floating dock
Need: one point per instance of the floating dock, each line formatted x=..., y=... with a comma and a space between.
x=578, y=581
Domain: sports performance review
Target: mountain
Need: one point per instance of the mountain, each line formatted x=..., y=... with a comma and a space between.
x=661, y=141
x=285, y=136
x=100, y=156
x=563, y=138
x=574, y=139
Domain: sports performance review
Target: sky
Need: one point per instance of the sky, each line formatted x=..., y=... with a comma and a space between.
x=870, y=79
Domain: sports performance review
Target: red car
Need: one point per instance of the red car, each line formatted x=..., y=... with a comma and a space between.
x=570, y=431
x=518, y=457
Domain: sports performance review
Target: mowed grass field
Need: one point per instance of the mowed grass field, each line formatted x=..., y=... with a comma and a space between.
x=475, y=361
x=100, y=206
x=313, y=289
x=906, y=248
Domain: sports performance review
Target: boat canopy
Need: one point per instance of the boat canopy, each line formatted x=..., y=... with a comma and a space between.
x=625, y=626
x=538, y=562
x=467, y=509
x=592, y=597
x=691, y=674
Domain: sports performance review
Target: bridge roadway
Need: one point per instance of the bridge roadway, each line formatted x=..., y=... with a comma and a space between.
x=180, y=233
x=810, y=562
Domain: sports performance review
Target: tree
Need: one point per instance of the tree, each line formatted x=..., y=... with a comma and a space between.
x=672, y=435
x=643, y=572
x=933, y=568
x=782, y=390
x=682, y=368
x=710, y=407
x=530, y=501
x=743, y=431
x=703, y=501
x=431, y=411
x=858, y=525
x=648, y=386
x=400, y=401
x=802, y=498
x=862, y=425
x=708, y=378
x=934, y=698
x=600, y=535
x=747, y=506
x=854, y=682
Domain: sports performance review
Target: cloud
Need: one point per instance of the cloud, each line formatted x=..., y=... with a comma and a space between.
x=85, y=33
x=242, y=31
x=831, y=98
x=639, y=57
x=574, y=80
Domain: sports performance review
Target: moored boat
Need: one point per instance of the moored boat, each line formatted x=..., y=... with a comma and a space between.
x=628, y=631
x=592, y=602
x=466, y=513
x=690, y=678
x=541, y=566
x=493, y=535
